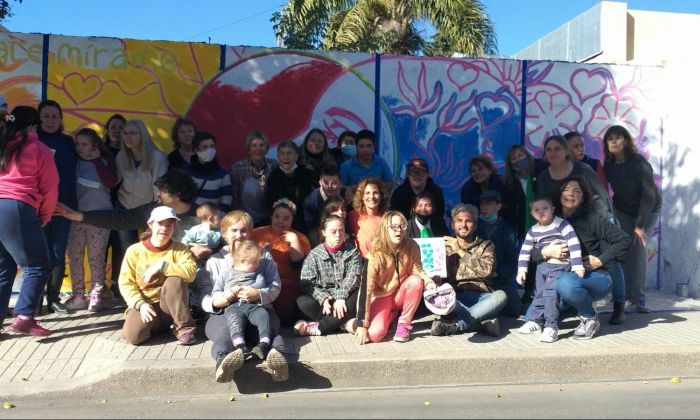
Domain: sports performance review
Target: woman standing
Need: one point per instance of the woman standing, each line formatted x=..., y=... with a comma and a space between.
x=329, y=281
x=561, y=166
x=577, y=150
x=139, y=165
x=113, y=134
x=483, y=177
x=603, y=244
x=365, y=220
x=56, y=231
x=314, y=152
x=28, y=196
x=288, y=247
x=291, y=181
x=249, y=178
x=395, y=281
x=637, y=205
x=519, y=187
x=213, y=181
x=182, y=135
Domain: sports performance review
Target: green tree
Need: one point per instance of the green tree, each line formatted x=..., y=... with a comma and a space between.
x=386, y=26
x=5, y=9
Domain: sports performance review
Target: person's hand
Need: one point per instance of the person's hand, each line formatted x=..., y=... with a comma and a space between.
x=339, y=308
x=147, y=313
x=327, y=307
x=430, y=286
x=249, y=294
x=232, y=294
x=150, y=273
x=520, y=278
x=200, y=251
x=68, y=213
x=557, y=249
x=361, y=335
x=437, y=279
x=580, y=273
x=292, y=238
x=640, y=237
x=593, y=264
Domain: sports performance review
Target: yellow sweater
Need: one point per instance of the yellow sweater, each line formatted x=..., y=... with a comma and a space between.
x=138, y=258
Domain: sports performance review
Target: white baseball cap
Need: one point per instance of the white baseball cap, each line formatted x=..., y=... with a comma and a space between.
x=162, y=213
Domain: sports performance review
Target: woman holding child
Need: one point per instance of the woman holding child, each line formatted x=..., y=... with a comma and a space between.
x=329, y=281
x=602, y=245
x=236, y=227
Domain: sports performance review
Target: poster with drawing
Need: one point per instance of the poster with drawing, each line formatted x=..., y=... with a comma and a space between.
x=432, y=256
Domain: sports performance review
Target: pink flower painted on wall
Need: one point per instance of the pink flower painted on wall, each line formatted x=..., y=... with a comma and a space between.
x=550, y=112
x=615, y=109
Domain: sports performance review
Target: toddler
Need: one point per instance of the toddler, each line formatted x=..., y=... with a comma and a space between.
x=207, y=233
x=548, y=229
x=246, y=259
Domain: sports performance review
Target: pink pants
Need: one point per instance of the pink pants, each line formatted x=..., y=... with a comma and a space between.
x=406, y=300
x=95, y=239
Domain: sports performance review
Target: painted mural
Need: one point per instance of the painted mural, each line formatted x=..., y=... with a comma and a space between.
x=445, y=110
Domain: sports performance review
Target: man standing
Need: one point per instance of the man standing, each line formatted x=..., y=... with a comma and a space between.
x=418, y=180
x=471, y=263
x=366, y=164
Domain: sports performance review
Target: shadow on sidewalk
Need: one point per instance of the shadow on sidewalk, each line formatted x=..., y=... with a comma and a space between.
x=253, y=379
x=633, y=321
x=82, y=330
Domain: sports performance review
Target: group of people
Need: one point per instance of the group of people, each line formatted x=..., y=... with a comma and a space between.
x=319, y=239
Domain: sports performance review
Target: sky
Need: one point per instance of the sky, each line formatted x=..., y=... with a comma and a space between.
x=518, y=23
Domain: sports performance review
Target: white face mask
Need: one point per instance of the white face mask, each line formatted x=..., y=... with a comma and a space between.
x=206, y=156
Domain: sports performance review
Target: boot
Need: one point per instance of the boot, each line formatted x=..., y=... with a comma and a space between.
x=618, y=315
x=53, y=289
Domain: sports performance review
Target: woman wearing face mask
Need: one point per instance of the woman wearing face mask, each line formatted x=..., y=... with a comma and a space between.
x=519, y=186
x=213, y=181
x=346, y=147
x=291, y=180
x=314, y=152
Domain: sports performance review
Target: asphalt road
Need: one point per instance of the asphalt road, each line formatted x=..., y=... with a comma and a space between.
x=634, y=399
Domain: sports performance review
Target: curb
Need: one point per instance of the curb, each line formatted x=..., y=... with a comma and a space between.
x=182, y=378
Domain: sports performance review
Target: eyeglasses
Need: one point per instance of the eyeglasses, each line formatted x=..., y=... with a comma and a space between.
x=398, y=228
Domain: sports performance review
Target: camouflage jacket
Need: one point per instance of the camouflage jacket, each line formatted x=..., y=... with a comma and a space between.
x=472, y=267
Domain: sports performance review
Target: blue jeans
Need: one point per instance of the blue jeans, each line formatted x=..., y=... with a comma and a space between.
x=22, y=244
x=580, y=293
x=473, y=307
x=618, y=282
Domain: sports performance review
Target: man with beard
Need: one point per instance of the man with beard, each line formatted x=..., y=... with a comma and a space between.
x=422, y=224
x=471, y=263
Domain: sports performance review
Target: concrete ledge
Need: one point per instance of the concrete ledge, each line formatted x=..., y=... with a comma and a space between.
x=379, y=370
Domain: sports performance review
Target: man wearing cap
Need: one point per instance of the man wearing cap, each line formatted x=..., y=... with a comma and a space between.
x=417, y=181
x=153, y=281
x=492, y=227
x=366, y=164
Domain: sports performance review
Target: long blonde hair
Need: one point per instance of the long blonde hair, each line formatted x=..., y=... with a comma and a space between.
x=125, y=157
x=382, y=244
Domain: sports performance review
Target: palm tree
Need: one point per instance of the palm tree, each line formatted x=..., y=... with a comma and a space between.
x=386, y=26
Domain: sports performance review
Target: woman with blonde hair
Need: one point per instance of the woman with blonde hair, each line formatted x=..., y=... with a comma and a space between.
x=369, y=204
x=394, y=282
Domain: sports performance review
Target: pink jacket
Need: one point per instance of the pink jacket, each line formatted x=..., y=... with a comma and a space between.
x=32, y=178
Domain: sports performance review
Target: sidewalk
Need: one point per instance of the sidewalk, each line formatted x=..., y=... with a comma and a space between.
x=87, y=353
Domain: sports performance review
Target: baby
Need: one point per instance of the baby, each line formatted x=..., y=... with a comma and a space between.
x=548, y=229
x=246, y=259
x=207, y=233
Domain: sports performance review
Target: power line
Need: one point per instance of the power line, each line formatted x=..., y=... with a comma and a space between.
x=234, y=22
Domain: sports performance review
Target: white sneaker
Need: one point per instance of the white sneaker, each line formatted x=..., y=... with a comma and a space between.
x=530, y=327
x=549, y=335
x=77, y=303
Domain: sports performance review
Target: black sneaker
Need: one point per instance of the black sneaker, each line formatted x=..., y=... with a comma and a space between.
x=261, y=350
x=490, y=327
x=227, y=364
x=445, y=328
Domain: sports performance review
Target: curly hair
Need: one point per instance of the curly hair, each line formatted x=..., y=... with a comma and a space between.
x=357, y=199
x=178, y=183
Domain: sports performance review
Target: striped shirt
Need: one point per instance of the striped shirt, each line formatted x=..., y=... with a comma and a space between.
x=540, y=236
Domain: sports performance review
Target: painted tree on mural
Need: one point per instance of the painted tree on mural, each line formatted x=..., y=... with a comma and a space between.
x=386, y=26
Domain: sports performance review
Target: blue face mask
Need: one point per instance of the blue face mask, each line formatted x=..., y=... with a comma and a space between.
x=349, y=149
x=520, y=166
x=490, y=219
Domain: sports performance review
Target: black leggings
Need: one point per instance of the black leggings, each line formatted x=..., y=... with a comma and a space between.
x=311, y=310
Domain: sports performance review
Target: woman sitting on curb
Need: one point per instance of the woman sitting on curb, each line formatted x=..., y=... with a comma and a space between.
x=329, y=282
x=236, y=227
x=153, y=281
x=395, y=281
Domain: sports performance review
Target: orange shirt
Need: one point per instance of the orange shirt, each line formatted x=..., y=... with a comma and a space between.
x=364, y=228
x=280, y=250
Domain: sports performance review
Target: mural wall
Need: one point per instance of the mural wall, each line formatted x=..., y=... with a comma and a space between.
x=445, y=110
